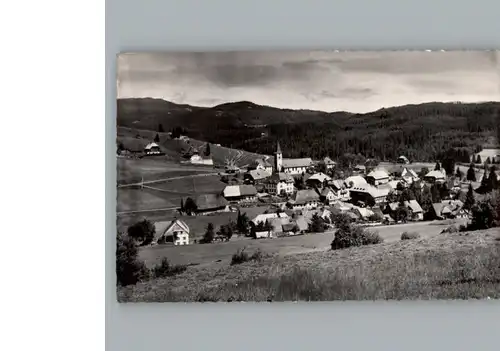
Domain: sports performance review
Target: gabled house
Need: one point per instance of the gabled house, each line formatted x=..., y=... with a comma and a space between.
x=152, y=149
x=448, y=209
x=403, y=160
x=257, y=175
x=198, y=159
x=368, y=194
x=209, y=203
x=267, y=216
x=328, y=195
x=328, y=163
x=240, y=193
x=262, y=164
x=377, y=177
x=175, y=232
x=340, y=189
x=417, y=213
x=435, y=177
x=317, y=179
x=308, y=198
x=279, y=183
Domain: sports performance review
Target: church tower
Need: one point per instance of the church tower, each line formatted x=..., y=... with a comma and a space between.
x=278, y=159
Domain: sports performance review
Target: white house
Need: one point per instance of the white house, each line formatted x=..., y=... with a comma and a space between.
x=243, y=193
x=329, y=164
x=356, y=180
x=377, y=177
x=175, y=232
x=318, y=179
x=262, y=164
x=435, y=176
x=152, y=149
x=197, y=159
x=280, y=182
x=329, y=195
x=304, y=199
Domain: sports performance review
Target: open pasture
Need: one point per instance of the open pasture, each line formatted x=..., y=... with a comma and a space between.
x=209, y=253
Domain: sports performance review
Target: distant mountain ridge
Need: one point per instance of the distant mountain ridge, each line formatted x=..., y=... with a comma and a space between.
x=418, y=130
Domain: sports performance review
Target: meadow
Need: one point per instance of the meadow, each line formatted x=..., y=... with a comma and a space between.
x=446, y=266
x=207, y=254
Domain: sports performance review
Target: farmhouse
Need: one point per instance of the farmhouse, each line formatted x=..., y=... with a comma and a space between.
x=328, y=163
x=175, y=232
x=318, y=179
x=328, y=195
x=152, y=149
x=369, y=194
x=448, y=209
x=262, y=164
x=417, y=213
x=308, y=198
x=240, y=193
x=257, y=175
x=209, y=203
x=340, y=188
x=198, y=159
x=435, y=176
x=279, y=183
x=291, y=165
x=377, y=177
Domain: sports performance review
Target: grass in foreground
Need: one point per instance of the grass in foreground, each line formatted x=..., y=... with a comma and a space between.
x=449, y=266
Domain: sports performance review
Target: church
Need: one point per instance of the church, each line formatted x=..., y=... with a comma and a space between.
x=293, y=166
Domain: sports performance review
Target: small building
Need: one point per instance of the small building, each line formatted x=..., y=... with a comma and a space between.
x=417, y=213
x=317, y=179
x=340, y=189
x=246, y=193
x=435, y=176
x=209, y=203
x=377, y=177
x=403, y=160
x=198, y=159
x=328, y=163
x=262, y=164
x=175, y=232
x=257, y=175
x=280, y=183
x=308, y=198
x=152, y=149
x=448, y=209
x=368, y=194
x=328, y=195
x=363, y=213
x=264, y=217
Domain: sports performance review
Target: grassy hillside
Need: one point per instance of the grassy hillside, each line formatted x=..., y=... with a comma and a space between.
x=446, y=266
x=420, y=131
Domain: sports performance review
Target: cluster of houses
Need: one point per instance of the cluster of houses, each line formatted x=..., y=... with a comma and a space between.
x=363, y=197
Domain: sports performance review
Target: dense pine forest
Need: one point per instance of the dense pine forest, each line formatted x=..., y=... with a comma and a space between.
x=421, y=132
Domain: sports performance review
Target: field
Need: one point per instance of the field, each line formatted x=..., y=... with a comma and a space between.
x=209, y=254
x=447, y=266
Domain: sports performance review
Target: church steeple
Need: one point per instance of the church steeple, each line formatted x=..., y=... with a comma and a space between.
x=278, y=159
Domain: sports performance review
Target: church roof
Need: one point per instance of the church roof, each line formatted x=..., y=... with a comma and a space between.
x=278, y=148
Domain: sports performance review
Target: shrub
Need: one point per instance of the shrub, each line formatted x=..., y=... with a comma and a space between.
x=129, y=269
x=143, y=231
x=462, y=228
x=239, y=257
x=164, y=269
x=410, y=236
x=242, y=256
x=348, y=235
x=450, y=229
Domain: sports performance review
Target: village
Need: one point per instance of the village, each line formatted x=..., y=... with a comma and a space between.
x=275, y=197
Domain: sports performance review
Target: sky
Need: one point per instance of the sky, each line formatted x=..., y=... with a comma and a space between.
x=317, y=80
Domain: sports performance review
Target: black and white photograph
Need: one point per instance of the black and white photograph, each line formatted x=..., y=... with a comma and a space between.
x=323, y=175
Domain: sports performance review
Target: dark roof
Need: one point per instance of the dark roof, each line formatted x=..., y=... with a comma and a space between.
x=303, y=196
x=288, y=227
x=210, y=201
x=281, y=177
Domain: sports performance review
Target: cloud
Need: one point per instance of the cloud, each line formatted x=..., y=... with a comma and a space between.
x=320, y=80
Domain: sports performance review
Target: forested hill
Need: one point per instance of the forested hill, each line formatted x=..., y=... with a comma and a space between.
x=422, y=132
